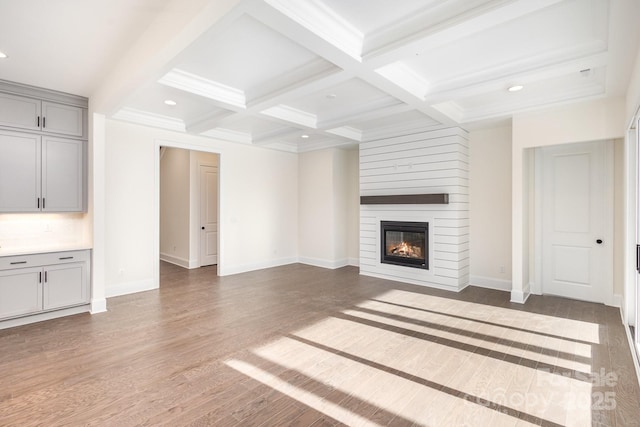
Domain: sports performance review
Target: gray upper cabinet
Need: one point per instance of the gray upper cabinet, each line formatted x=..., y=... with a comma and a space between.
x=20, y=172
x=62, y=119
x=41, y=173
x=21, y=112
x=42, y=150
x=62, y=175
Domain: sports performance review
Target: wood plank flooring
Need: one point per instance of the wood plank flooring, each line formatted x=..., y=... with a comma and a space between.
x=303, y=346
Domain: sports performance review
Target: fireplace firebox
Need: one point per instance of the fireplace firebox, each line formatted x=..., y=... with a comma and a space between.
x=405, y=243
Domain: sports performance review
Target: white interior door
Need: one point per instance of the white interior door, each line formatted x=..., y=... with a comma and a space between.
x=208, y=215
x=577, y=244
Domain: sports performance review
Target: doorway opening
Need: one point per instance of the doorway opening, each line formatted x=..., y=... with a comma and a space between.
x=188, y=207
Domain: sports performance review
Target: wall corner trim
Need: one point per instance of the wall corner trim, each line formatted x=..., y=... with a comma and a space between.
x=98, y=306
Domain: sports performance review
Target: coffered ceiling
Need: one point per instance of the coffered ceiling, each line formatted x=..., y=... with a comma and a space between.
x=302, y=75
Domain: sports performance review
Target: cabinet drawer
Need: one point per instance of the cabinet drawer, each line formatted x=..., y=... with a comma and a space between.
x=37, y=260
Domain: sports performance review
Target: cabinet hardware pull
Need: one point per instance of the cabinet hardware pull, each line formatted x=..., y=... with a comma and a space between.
x=38, y=121
x=43, y=122
x=43, y=203
x=40, y=277
x=38, y=202
x=66, y=257
x=45, y=277
x=18, y=262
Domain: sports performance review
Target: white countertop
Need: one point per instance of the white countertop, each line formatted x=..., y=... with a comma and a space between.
x=12, y=251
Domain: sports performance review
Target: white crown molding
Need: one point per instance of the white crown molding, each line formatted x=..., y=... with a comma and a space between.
x=274, y=135
x=451, y=109
x=347, y=132
x=402, y=128
x=228, y=135
x=150, y=119
x=321, y=144
x=316, y=17
x=193, y=83
x=421, y=32
x=288, y=147
x=488, y=112
x=405, y=77
x=550, y=64
x=312, y=76
x=292, y=115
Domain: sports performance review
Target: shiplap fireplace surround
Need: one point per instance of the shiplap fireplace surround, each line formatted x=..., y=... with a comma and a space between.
x=434, y=162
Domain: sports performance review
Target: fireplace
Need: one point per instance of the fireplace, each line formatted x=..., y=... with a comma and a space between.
x=405, y=243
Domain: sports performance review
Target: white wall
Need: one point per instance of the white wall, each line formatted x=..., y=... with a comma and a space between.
x=315, y=230
x=258, y=205
x=327, y=208
x=490, y=207
x=129, y=198
x=175, y=206
x=43, y=231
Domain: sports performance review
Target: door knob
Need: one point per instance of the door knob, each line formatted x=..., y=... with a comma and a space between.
x=599, y=241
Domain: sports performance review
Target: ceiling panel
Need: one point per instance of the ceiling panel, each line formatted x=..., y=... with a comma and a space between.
x=243, y=56
x=565, y=31
x=345, y=99
x=368, y=16
x=152, y=97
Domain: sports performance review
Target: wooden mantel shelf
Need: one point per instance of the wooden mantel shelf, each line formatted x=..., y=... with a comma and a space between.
x=406, y=199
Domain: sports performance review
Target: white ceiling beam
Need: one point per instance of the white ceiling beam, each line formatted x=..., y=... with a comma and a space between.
x=177, y=25
x=461, y=25
x=479, y=84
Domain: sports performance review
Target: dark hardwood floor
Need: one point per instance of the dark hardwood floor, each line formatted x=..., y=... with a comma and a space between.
x=299, y=345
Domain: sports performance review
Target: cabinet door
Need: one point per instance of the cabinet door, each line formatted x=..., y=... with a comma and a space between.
x=20, y=292
x=65, y=286
x=62, y=175
x=62, y=119
x=19, y=172
x=19, y=112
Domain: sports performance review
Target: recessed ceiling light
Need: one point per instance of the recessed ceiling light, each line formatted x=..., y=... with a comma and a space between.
x=305, y=136
x=170, y=102
x=3, y=55
x=515, y=88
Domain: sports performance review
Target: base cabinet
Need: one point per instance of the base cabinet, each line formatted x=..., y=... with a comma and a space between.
x=38, y=283
x=64, y=286
x=20, y=292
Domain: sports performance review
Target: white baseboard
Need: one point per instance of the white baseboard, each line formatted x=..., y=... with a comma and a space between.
x=520, y=297
x=178, y=261
x=616, y=301
x=98, y=306
x=355, y=262
x=414, y=282
x=224, y=270
x=130, y=288
x=324, y=263
x=19, y=321
x=490, y=283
